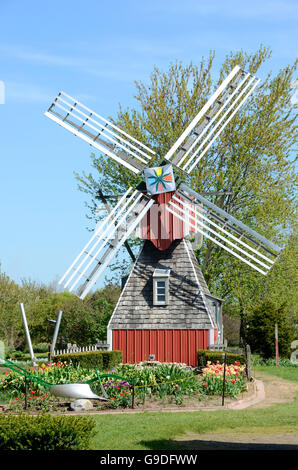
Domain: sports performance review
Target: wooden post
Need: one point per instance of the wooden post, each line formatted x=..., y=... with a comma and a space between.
x=248, y=361
x=276, y=345
x=133, y=397
x=224, y=380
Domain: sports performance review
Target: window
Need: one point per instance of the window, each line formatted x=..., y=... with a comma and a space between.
x=161, y=286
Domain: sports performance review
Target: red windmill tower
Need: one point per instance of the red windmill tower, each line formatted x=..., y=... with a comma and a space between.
x=165, y=308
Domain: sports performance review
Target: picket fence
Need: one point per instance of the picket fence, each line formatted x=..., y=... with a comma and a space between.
x=73, y=348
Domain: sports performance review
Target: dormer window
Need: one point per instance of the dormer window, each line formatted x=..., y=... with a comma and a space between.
x=161, y=286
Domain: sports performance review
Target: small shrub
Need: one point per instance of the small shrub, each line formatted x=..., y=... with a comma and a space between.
x=204, y=355
x=45, y=432
x=19, y=355
x=102, y=360
x=38, y=348
x=111, y=359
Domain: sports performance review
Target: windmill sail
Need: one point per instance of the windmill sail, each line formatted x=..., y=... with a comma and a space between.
x=106, y=241
x=99, y=132
x=224, y=230
x=211, y=120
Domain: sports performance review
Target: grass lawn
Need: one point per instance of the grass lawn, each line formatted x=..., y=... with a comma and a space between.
x=156, y=431
x=287, y=373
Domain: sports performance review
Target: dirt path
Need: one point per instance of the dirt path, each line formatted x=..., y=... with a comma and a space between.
x=277, y=391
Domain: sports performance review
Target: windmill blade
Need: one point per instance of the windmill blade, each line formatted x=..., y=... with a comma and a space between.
x=103, y=198
x=211, y=120
x=99, y=132
x=108, y=238
x=223, y=229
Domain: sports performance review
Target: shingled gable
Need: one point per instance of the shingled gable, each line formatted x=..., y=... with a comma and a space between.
x=187, y=307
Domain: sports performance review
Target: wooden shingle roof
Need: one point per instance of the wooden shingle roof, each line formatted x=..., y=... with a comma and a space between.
x=187, y=307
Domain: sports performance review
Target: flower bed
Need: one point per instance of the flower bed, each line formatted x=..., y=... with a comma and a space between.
x=161, y=382
x=235, y=379
x=53, y=373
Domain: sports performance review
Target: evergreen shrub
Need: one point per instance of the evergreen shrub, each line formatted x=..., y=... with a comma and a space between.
x=261, y=331
x=45, y=432
x=102, y=360
x=204, y=355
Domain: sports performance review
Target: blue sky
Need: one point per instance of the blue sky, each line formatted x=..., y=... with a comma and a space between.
x=94, y=51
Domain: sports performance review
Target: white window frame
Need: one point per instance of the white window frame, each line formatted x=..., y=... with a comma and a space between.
x=161, y=276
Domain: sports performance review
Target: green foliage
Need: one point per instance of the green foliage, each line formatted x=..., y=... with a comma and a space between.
x=10, y=318
x=111, y=359
x=102, y=360
x=80, y=323
x=261, y=331
x=204, y=355
x=162, y=380
x=83, y=322
x=45, y=432
x=253, y=161
x=39, y=348
x=257, y=360
x=43, y=377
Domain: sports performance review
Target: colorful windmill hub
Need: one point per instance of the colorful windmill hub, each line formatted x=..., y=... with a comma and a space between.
x=160, y=179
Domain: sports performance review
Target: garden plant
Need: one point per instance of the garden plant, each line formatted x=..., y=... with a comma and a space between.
x=161, y=382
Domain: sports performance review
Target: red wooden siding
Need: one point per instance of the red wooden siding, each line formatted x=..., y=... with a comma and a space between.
x=165, y=227
x=166, y=345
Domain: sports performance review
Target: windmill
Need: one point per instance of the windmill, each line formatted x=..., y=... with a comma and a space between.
x=162, y=207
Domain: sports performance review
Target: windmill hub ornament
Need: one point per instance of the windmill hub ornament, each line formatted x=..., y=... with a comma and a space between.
x=160, y=179
x=178, y=209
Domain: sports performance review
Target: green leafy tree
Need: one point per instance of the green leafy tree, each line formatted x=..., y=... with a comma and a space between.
x=10, y=317
x=261, y=330
x=83, y=322
x=78, y=324
x=103, y=302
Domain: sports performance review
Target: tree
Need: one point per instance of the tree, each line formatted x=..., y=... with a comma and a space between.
x=10, y=317
x=83, y=322
x=78, y=324
x=252, y=160
x=261, y=331
x=103, y=302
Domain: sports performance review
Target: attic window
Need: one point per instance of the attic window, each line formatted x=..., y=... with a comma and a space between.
x=161, y=286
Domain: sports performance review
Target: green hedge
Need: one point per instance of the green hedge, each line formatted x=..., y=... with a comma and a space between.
x=204, y=355
x=103, y=360
x=45, y=432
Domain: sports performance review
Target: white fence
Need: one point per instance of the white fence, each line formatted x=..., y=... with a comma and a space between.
x=73, y=348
